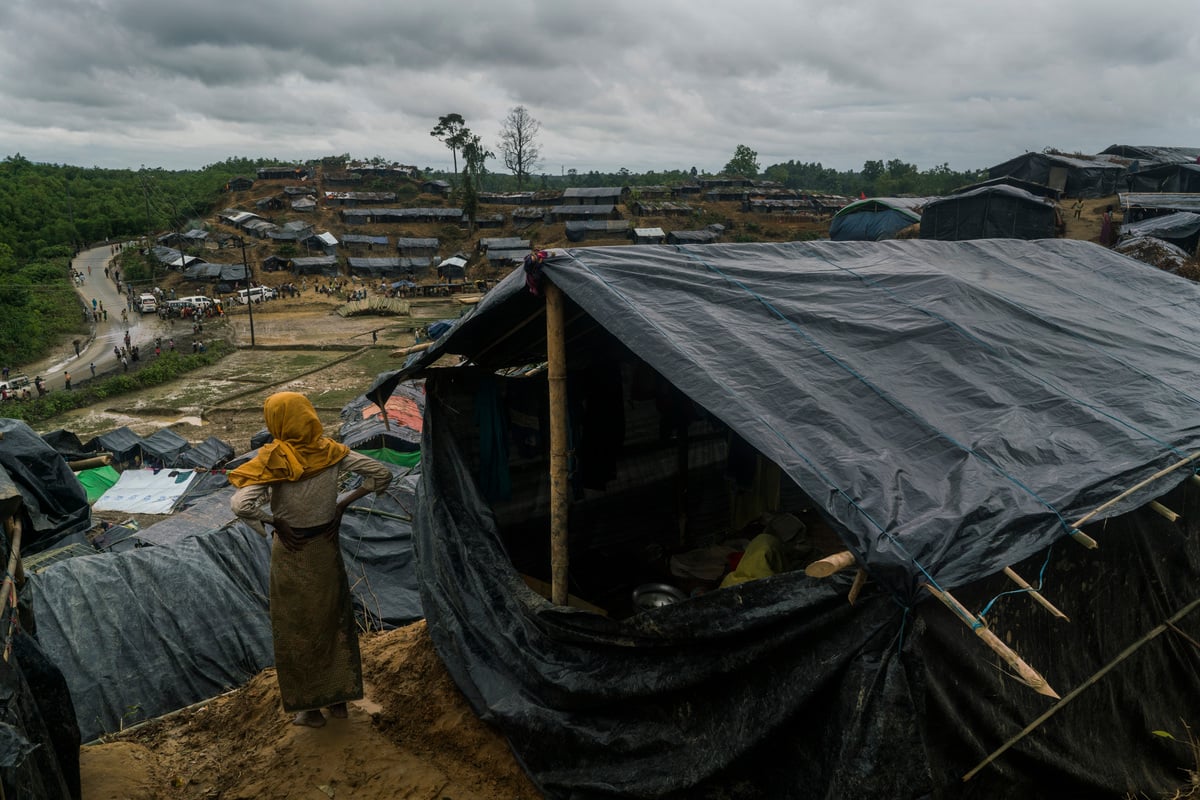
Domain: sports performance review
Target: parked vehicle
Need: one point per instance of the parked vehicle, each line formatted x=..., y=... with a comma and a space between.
x=15, y=382
x=147, y=304
x=257, y=294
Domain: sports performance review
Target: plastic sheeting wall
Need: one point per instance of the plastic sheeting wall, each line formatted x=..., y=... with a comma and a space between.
x=779, y=688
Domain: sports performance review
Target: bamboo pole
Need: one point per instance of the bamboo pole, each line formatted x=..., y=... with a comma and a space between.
x=1078, y=690
x=90, y=463
x=860, y=580
x=556, y=377
x=1084, y=539
x=413, y=348
x=829, y=565
x=12, y=528
x=1163, y=511
x=1028, y=674
x=1034, y=593
x=1136, y=487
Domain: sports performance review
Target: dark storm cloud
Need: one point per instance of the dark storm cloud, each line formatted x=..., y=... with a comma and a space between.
x=646, y=85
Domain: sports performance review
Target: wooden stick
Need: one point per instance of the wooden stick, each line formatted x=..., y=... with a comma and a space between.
x=1028, y=674
x=90, y=463
x=1196, y=479
x=860, y=580
x=556, y=377
x=415, y=348
x=1134, y=488
x=1163, y=511
x=1054, y=709
x=12, y=527
x=1034, y=593
x=830, y=564
x=1084, y=539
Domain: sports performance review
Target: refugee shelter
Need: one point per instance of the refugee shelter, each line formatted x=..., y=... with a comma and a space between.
x=1165, y=178
x=990, y=212
x=124, y=445
x=1074, y=176
x=163, y=448
x=927, y=416
x=1181, y=229
x=1136, y=206
x=876, y=218
x=209, y=454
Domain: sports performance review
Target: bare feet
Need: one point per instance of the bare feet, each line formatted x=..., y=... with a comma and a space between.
x=338, y=711
x=313, y=719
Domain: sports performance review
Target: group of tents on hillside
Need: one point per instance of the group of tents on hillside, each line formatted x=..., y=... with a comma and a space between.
x=1157, y=187
x=957, y=480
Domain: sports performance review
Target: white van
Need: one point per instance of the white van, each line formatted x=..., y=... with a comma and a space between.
x=257, y=294
x=147, y=304
x=198, y=301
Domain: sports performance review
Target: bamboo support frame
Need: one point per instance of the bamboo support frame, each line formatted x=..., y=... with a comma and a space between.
x=1136, y=487
x=1028, y=674
x=12, y=528
x=1078, y=690
x=556, y=376
x=1034, y=593
x=829, y=565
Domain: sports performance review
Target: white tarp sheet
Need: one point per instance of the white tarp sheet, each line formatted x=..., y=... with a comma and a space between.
x=146, y=491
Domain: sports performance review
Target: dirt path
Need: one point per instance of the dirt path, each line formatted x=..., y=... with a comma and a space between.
x=413, y=737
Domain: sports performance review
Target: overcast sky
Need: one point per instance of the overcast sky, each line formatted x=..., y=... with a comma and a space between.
x=647, y=85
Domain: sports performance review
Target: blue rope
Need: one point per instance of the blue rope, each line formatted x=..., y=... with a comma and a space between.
x=1040, y=583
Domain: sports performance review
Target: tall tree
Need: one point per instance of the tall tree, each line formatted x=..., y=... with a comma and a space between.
x=518, y=143
x=452, y=131
x=475, y=157
x=744, y=162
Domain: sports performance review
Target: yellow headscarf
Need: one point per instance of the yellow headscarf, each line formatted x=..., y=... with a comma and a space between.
x=300, y=448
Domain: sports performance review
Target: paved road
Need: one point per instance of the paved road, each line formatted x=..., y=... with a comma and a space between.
x=105, y=335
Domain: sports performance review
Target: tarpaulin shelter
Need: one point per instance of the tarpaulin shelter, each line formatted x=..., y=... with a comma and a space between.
x=66, y=443
x=364, y=428
x=208, y=454
x=1075, y=176
x=876, y=218
x=97, y=481
x=990, y=212
x=1181, y=229
x=55, y=504
x=123, y=443
x=39, y=738
x=936, y=405
x=1038, y=189
x=1153, y=153
x=326, y=266
x=1164, y=178
x=162, y=448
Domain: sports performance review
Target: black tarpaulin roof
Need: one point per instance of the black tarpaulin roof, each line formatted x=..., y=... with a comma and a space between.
x=950, y=407
x=210, y=453
x=163, y=445
x=123, y=443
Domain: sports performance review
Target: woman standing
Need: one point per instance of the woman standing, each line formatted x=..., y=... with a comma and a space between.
x=292, y=484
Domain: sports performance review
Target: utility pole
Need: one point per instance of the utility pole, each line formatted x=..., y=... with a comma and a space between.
x=249, y=286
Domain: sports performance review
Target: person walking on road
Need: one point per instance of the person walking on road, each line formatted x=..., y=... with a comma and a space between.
x=92, y=367
x=67, y=380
